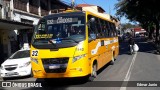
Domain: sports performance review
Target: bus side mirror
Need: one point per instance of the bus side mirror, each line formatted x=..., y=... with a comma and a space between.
x=91, y=20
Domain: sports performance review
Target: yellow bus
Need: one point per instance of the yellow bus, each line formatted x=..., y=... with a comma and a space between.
x=73, y=44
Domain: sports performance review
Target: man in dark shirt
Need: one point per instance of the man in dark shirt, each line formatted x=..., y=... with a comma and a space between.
x=131, y=43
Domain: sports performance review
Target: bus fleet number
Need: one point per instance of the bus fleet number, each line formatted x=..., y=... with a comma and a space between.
x=35, y=53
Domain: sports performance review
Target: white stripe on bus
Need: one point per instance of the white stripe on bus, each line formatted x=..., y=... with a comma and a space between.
x=94, y=51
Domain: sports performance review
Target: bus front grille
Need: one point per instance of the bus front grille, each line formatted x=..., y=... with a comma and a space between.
x=55, y=65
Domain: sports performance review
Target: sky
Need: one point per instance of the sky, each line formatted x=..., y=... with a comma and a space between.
x=107, y=5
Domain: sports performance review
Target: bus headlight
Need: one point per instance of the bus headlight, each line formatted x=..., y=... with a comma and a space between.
x=78, y=57
x=34, y=60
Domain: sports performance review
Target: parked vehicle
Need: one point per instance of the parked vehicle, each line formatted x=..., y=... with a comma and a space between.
x=137, y=35
x=17, y=65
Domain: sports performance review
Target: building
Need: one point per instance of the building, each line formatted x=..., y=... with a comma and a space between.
x=93, y=8
x=18, y=18
x=139, y=31
x=89, y=7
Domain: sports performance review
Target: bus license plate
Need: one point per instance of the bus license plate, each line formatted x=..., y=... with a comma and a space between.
x=54, y=66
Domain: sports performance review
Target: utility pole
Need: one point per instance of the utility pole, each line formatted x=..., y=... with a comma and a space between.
x=72, y=4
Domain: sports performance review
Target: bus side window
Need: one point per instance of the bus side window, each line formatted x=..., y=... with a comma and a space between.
x=108, y=29
x=98, y=28
x=91, y=29
x=114, y=29
x=104, y=29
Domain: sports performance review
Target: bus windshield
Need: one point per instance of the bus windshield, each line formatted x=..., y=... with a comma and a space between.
x=60, y=31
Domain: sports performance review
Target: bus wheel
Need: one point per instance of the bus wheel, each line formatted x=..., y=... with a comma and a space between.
x=112, y=60
x=94, y=72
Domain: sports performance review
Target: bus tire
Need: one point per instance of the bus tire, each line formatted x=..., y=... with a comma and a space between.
x=94, y=72
x=113, y=59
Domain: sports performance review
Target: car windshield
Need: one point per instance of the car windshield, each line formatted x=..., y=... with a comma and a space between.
x=60, y=30
x=21, y=54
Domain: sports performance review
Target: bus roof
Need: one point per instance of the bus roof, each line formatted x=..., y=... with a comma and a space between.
x=101, y=15
x=66, y=13
x=77, y=12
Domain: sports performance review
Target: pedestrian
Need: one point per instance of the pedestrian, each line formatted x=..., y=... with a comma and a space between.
x=131, y=44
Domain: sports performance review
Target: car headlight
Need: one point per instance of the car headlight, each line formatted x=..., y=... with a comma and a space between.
x=25, y=64
x=78, y=57
x=34, y=60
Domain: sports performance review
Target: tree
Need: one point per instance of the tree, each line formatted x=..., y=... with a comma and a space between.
x=145, y=12
x=128, y=25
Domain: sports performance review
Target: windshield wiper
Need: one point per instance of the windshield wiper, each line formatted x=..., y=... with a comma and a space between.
x=70, y=39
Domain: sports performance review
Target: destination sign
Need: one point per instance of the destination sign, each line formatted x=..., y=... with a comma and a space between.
x=62, y=20
x=38, y=36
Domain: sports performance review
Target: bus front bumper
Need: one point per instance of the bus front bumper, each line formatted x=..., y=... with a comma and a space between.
x=74, y=72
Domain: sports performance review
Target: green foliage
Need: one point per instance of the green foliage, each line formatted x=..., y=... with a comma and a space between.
x=127, y=26
x=146, y=12
x=139, y=10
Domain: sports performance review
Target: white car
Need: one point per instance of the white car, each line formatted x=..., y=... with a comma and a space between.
x=17, y=65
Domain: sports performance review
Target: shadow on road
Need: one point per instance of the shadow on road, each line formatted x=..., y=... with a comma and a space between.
x=123, y=48
x=59, y=84
x=143, y=47
x=16, y=78
x=63, y=84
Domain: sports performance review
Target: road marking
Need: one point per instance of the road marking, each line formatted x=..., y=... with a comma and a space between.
x=127, y=77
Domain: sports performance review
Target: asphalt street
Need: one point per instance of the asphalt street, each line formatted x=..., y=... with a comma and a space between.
x=141, y=68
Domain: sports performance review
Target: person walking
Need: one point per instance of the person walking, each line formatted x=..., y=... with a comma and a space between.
x=131, y=44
